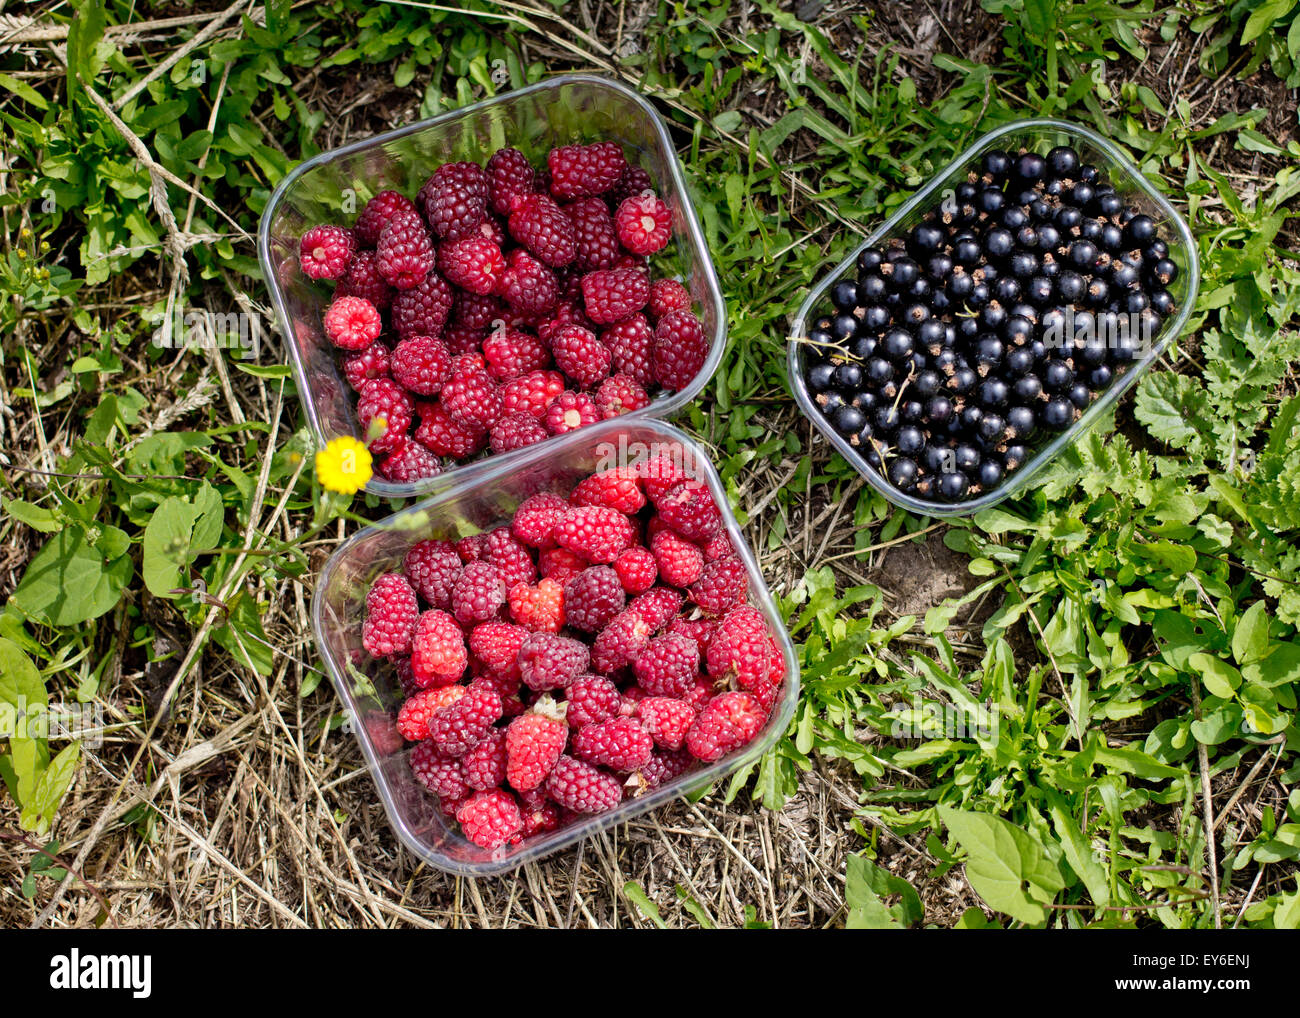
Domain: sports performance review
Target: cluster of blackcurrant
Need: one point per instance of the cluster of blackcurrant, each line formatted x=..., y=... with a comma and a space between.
x=998, y=319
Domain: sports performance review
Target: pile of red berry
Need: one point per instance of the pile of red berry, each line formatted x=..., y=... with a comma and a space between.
x=596, y=647
x=503, y=305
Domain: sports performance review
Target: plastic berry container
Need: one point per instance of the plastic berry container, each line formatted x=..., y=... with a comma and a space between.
x=471, y=503
x=1039, y=136
x=334, y=186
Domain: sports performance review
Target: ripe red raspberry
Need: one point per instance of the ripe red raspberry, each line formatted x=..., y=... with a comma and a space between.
x=459, y=728
x=659, y=474
x=581, y=171
x=472, y=398
x=592, y=598
x=583, y=788
x=490, y=819
x=610, y=295
x=680, y=349
x=591, y=698
x=688, y=507
x=548, y=661
x=634, y=180
x=727, y=722
x=476, y=312
x=385, y=412
x=438, y=655
x=472, y=263
x=665, y=766
x=718, y=546
x=415, y=714
x=595, y=532
x=617, y=488
x=567, y=312
x=372, y=362
x=391, y=611
x=454, y=199
x=657, y=606
x=484, y=767
x=740, y=649
x=680, y=562
x=631, y=344
x=560, y=564
x=496, y=645
x=540, y=818
x=532, y=393
x=352, y=323
x=477, y=593
x=461, y=340
x=409, y=463
x=527, y=284
x=363, y=280
x=404, y=254
x=422, y=310
x=512, y=353
x=615, y=646
x=667, y=295
x=539, y=608
x=543, y=228
x=619, y=743
x=325, y=251
x=432, y=568
x=377, y=213
x=620, y=394
x=668, y=666
x=513, y=561
x=595, y=239
x=721, y=585
x=445, y=436
x=580, y=355
x=515, y=431
x=636, y=570
x=421, y=364
x=440, y=774
x=666, y=719
x=644, y=224
x=536, y=517
x=570, y=411
x=534, y=741
x=699, y=630
x=510, y=175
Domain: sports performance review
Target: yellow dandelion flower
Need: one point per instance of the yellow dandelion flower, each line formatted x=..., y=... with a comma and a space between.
x=344, y=465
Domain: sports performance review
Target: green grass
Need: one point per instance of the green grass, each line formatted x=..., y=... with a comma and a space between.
x=1141, y=657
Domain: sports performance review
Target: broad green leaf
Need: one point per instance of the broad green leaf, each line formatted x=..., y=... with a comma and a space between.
x=1250, y=638
x=1219, y=677
x=20, y=681
x=68, y=582
x=38, y=811
x=864, y=885
x=633, y=892
x=166, y=546
x=1005, y=865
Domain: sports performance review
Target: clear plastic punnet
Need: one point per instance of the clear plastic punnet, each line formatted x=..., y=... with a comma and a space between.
x=332, y=187
x=471, y=504
x=1036, y=136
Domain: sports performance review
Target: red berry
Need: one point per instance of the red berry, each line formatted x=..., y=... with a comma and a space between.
x=580, y=355
x=727, y=722
x=539, y=608
x=644, y=224
x=363, y=280
x=543, y=228
x=385, y=412
x=391, y=611
x=622, y=639
x=668, y=295
x=659, y=474
x=490, y=819
x=663, y=767
x=377, y=213
x=619, y=743
x=532, y=393
x=560, y=564
x=580, y=171
x=409, y=463
x=688, y=507
x=668, y=666
x=620, y=394
x=631, y=344
x=680, y=349
x=415, y=714
x=740, y=650
x=636, y=570
x=591, y=698
x=484, y=766
x=634, y=180
x=596, y=532
x=325, y=251
x=440, y=774
x=527, y=284
x=459, y=728
x=657, y=606
x=372, y=362
x=548, y=661
x=438, y=656
x=497, y=644
x=510, y=175
x=721, y=585
x=534, y=741
x=699, y=630
x=595, y=238
x=476, y=312
x=536, y=517
x=718, y=546
x=617, y=488
x=422, y=310
x=512, y=353
x=570, y=411
x=446, y=436
x=515, y=431
x=404, y=255
x=352, y=323
x=592, y=598
x=477, y=593
x=472, y=263
x=421, y=364
x=454, y=200
x=680, y=562
x=582, y=787
x=666, y=719
x=610, y=295
x=513, y=561
x=432, y=568
x=472, y=398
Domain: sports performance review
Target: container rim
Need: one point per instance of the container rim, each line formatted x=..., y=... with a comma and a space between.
x=663, y=407
x=1095, y=411
x=759, y=596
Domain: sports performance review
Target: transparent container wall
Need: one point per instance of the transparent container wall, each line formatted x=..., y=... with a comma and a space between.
x=1037, y=136
x=371, y=690
x=335, y=185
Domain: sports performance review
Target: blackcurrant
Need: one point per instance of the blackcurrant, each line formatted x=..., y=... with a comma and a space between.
x=952, y=486
x=1057, y=414
x=1063, y=161
x=819, y=377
